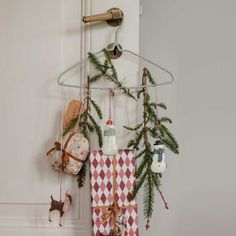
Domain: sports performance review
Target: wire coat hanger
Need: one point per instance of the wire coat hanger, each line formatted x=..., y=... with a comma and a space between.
x=115, y=46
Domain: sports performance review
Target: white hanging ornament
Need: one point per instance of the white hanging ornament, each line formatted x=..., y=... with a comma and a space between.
x=158, y=159
x=109, y=146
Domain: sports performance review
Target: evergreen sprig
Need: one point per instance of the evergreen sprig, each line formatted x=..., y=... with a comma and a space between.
x=81, y=177
x=106, y=70
x=153, y=127
x=87, y=124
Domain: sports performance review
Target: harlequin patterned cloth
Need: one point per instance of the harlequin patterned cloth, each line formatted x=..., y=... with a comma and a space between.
x=109, y=185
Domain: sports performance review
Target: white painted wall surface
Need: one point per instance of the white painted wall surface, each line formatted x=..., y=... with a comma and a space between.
x=196, y=41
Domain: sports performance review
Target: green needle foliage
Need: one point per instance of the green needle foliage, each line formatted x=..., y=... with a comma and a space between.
x=87, y=125
x=106, y=70
x=150, y=127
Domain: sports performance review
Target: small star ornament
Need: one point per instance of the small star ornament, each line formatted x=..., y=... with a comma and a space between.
x=158, y=158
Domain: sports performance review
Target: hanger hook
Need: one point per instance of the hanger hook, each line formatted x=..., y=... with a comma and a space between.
x=116, y=44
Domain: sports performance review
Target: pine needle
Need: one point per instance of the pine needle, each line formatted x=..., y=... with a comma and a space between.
x=162, y=105
x=70, y=126
x=135, y=128
x=97, y=108
x=165, y=119
x=95, y=78
x=140, y=154
x=169, y=135
x=95, y=61
x=81, y=176
x=150, y=78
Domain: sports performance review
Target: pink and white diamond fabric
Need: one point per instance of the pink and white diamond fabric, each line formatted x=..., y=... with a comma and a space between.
x=103, y=181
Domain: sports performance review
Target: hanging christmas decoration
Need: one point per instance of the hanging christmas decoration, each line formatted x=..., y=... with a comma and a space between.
x=87, y=125
x=74, y=109
x=61, y=207
x=150, y=127
x=112, y=178
x=113, y=172
x=109, y=140
x=109, y=146
x=72, y=155
x=158, y=165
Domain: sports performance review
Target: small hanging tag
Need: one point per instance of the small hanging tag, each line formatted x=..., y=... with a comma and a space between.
x=73, y=110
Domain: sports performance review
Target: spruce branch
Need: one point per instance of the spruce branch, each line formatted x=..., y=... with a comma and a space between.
x=90, y=127
x=96, y=63
x=169, y=138
x=167, y=142
x=81, y=176
x=140, y=91
x=161, y=105
x=131, y=143
x=95, y=78
x=140, y=154
x=152, y=127
x=96, y=107
x=141, y=167
x=135, y=128
x=153, y=132
x=87, y=125
x=156, y=179
x=109, y=64
x=148, y=199
x=107, y=71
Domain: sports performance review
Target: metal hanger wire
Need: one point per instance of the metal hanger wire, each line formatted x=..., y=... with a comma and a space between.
x=114, y=47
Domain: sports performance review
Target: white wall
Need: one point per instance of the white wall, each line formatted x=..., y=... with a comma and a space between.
x=196, y=41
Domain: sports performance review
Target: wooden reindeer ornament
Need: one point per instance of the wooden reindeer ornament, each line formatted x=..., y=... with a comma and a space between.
x=60, y=206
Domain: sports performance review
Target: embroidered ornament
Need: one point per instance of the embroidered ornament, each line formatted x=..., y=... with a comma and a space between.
x=158, y=158
x=71, y=157
x=60, y=206
x=109, y=146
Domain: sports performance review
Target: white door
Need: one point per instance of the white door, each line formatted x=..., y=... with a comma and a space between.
x=38, y=40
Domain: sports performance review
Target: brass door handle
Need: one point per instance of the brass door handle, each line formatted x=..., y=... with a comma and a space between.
x=113, y=17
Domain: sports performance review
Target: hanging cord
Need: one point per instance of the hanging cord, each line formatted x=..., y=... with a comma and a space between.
x=82, y=95
x=127, y=110
x=60, y=175
x=156, y=119
x=111, y=95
